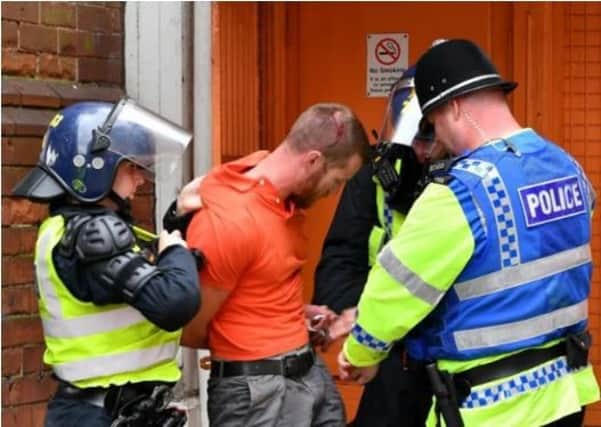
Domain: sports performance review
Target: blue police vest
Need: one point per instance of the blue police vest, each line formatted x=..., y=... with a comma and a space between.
x=528, y=204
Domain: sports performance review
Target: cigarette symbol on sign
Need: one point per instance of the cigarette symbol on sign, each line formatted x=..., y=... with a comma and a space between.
x=388, y=51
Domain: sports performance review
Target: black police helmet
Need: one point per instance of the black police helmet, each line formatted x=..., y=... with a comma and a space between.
x=453, y=68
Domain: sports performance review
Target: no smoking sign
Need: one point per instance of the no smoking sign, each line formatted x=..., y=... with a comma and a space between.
x=387, y=59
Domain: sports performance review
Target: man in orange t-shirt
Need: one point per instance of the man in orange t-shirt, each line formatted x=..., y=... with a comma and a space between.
x=263, y=369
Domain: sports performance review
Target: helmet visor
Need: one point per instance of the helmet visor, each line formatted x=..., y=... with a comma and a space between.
x=145, y=138
x=402, y=115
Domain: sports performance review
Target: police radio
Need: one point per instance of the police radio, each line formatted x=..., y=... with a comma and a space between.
x=384, y=169
x=399, y=186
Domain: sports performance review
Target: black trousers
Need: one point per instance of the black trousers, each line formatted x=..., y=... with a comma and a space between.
x=395, y=397
x=573, y=420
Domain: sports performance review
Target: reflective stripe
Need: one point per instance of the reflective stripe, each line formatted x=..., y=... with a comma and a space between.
x=411, y=281
x=516, y=385
x=516, y=331
x=498, y=196
x=365, y=338
x=512, y=277
x=57, y=327
x=111, y=364
x=43, y=281
x=457, y=86
x=92, y=323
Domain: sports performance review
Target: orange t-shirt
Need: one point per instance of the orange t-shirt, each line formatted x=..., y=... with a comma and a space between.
x=255, y=247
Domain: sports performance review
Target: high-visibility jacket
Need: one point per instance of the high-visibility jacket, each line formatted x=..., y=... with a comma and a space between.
x=389, y=218
x=496, y=261
x=96, y=346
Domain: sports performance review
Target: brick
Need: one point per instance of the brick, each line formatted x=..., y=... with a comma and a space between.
x=143, y=207
x=101, y=70
x=70, y=94
x=22, y=211
x=21, y=330
x=17, y=416
x=28, y=389
x=18, y=240
x=8, y=122
x=116, y=19
x=33, y=359
x=53, y=66
x=67, y=42
x=23, y=151
x=85, y=43
x=93, y=18
x=38, y=414
x=30, y=121
x=61, y=14
x=10, y=92
x=18, y=300
x=17, y=63
x=37, y=93
x=12, y=361
x=68, y=68
x=10, y=34
x=37, y=38
x=17, y=270
x=21, y=11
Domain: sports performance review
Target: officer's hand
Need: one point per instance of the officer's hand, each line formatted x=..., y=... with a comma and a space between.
x=167, y=239
x=188, y=199
x=342, y=326
x=349, y=372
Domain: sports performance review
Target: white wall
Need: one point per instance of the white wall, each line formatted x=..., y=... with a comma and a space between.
x=168, y=70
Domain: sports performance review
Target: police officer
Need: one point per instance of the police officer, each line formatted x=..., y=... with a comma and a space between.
x=111, y=316
x=371, y=210
x=494, y=260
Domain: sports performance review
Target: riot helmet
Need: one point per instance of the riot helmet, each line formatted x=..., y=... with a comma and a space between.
x=395, y=163
x=401, y=122
x=86, y=142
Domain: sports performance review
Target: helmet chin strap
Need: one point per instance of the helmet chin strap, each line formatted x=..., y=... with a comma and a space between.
x=123, y=205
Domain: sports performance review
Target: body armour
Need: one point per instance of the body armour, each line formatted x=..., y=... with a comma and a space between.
x=96, y=346
x=529, y=208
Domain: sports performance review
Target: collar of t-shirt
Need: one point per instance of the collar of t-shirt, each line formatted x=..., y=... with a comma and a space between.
x=233, y=175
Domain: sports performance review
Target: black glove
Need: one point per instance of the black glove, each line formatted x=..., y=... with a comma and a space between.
x=173, y=221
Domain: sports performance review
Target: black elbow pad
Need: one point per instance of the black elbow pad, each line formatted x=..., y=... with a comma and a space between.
x=102, y=237
x=127, y=273
x=104, y=244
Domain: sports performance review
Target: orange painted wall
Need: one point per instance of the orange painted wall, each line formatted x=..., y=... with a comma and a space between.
x=314, y=52
x=332, y=67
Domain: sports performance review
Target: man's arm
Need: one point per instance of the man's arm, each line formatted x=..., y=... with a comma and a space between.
x=225, y=245
x=195, y=333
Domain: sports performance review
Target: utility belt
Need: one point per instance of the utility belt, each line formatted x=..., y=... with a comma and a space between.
x=130, y=405
x=288, y=365
x=451, y=390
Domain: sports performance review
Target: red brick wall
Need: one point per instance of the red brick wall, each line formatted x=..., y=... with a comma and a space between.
x=582, y=136
x=77, y=41
x=53, y=54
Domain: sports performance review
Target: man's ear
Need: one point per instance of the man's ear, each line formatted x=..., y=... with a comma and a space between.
x=455, y=109
x=314, y=159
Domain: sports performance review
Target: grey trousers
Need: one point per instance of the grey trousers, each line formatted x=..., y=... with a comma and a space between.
x=276, y=401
